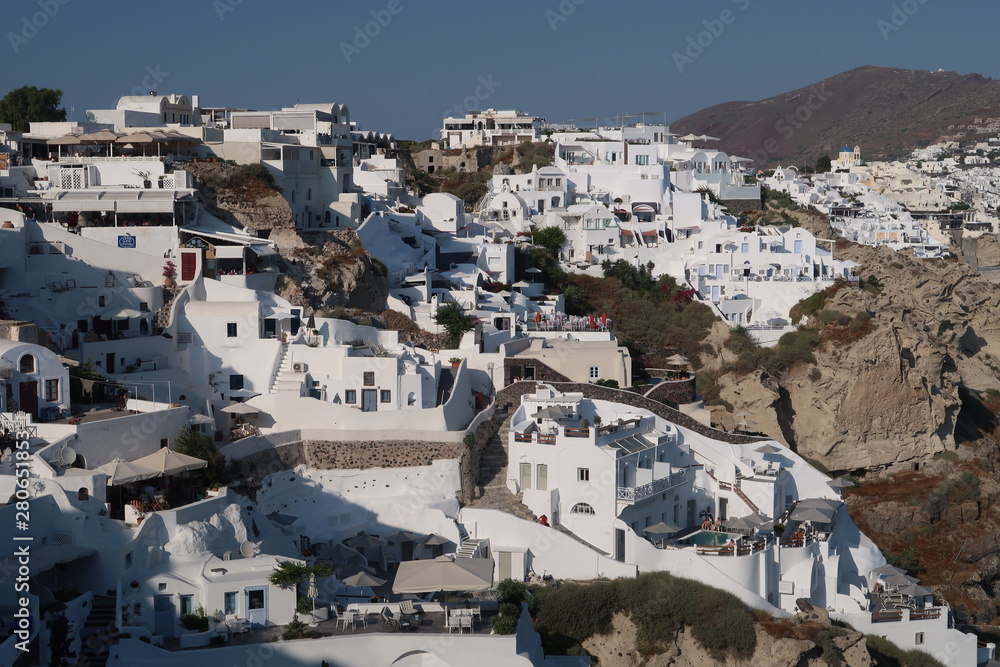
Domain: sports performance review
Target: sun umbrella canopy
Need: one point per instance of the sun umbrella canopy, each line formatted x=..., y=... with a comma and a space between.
x=364, y=540
x=769, y=449
x=899, y=579
x=433, y=540
x=165, y=461
x=403, y=536
x=813, y=514
x=553, y=412
x=840, y=483
x=662, y=528
x=822, y=503
x=126, y=472
x=678, y=360
x=312, y=592
x=913, y=590
x=444, y=574
x=362, y=579
x=342, y=554
x=196, y=419
x=100, y=135
x=742, y=524
x=240, y=409
x=888, y=569
x=65, y=140
x=244, y=393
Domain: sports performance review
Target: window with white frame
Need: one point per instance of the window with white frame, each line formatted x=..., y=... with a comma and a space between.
x=595, y=372
x=582, y=508
x=583, y=474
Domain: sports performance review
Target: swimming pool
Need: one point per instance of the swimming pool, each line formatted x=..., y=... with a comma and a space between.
x=708, y=538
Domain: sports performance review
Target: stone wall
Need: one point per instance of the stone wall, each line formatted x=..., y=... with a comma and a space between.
x=675, y=391
x=737, y=206
x=515, y=368
x=361, y=455
x=510, y=398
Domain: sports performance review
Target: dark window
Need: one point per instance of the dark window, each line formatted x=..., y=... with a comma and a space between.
x=144, y=306
x=235, y=382
x=231, y=329
x=369, y=379
x=52, y=390
x=100, y=301
x=385, y=396
x=83, y=326
x=27, y=364
x=350, y=396
x=164, y=443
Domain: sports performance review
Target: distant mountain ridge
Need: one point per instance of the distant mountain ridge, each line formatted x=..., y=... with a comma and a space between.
x=887, y=111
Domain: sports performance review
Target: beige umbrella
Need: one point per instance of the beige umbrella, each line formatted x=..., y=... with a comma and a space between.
x=101, y=135
x=165, y=461
x=241, y=409
x=363, y=579
x=120, y=471
x=444, y=574
x=678, y=360
x=65, y=140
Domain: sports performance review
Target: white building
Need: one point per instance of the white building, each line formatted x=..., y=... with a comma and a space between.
x=490, y=127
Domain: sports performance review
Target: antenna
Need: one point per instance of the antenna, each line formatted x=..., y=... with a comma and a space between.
x=246, y=548
x=67, y=456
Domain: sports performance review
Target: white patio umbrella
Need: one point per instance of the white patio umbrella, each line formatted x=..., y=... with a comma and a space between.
x=244, y=393
x=840, y=483
x=768, y=449
x=888, y=569
x=196, y=419
x=364, y=540
x=444, y=574
x=913, y=590
x=678, y=360
x=312, y=592
x=240, y=409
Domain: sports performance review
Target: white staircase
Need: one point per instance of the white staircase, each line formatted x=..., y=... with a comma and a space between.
x=469, y=548
x=284, y=366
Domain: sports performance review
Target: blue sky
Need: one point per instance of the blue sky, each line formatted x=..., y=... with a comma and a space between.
x=561, y=59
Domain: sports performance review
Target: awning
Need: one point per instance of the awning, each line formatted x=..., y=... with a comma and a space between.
x=229, y=251
x=146, y=206
x=83, y=205
x=263, y=250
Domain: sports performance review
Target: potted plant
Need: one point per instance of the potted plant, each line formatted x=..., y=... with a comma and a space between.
x=169, y=273
x=159, y=181
x=779, y=530
x=144, y=175
x=455, y=362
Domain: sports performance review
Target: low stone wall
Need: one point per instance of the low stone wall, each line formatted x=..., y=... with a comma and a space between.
x=675, y=391
x=736, y=206
x=515, y=368
x=510, y=398
x=361, y=455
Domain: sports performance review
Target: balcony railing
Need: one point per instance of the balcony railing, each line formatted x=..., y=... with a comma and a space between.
x=634, y=494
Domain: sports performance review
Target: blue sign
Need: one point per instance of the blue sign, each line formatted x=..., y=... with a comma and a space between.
x=126, y=241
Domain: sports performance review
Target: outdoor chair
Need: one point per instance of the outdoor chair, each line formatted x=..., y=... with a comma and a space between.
x=388, y=618
x=406, y=608
x=237, y=624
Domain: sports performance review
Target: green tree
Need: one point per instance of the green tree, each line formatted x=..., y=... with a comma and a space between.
x=195, y=444
x=455, y=322
x=550, y=238
x=823, y=164
x=27, y=104
x=289, y=574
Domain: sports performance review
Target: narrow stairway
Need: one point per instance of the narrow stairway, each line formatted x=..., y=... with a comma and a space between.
x=493, y=476
x=98, y=632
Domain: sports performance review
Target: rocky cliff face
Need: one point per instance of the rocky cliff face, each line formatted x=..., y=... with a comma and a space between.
x=323, y=270
x=618, y=647
x=891, y=394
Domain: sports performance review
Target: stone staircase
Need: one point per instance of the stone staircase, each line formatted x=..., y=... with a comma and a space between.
x=162, y=318
x=493, y=476
x=98, y=632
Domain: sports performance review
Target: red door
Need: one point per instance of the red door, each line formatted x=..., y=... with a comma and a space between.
x=28, y=398
x=188, y=266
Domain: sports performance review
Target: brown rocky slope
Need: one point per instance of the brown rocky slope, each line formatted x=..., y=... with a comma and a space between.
x=862, y=106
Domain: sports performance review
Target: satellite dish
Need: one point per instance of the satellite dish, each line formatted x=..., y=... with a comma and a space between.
x=246, y=548
x=67, y=456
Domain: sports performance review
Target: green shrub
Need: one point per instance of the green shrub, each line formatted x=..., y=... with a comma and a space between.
x=509, y=609
x=510, y=591
x=504, y=625
x=808, y=306
x=887, y=654
x=195, y=622
x=815, y=375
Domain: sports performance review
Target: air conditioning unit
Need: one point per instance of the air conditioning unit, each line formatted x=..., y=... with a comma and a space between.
x=299, y=367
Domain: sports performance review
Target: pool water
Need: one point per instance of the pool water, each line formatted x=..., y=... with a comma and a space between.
x=707, y=538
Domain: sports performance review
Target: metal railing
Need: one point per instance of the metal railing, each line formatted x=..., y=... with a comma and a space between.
x=637, y=493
